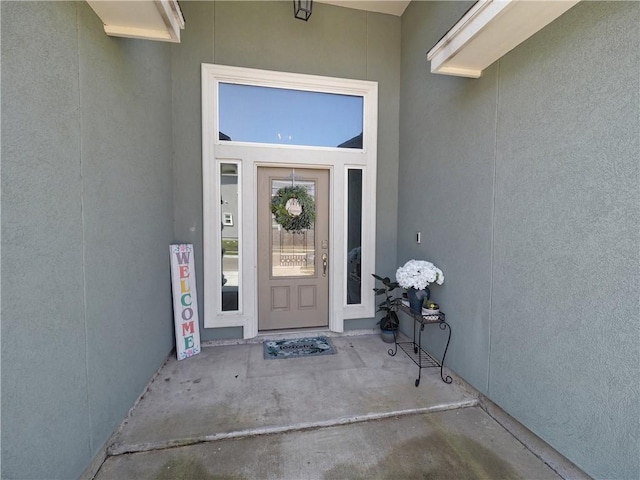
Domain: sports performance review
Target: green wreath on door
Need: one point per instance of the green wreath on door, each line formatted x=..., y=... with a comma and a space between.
x=294, y=223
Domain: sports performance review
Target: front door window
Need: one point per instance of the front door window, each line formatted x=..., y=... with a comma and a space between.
x=293, y=252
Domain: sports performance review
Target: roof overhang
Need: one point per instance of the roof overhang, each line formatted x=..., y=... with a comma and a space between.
x=159, y=20
x=489, y=30
x=391, y=7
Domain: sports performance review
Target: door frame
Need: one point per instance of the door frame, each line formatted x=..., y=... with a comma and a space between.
x=249, y=156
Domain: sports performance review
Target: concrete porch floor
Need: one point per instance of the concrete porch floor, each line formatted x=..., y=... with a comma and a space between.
x=229, y=413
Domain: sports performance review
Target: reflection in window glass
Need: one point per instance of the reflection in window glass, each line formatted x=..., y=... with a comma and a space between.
x=354, y=236
x=289, y=117
x=229, y=236
x=293, y=254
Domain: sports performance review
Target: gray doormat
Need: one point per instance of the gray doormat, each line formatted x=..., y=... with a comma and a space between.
x=298, y=347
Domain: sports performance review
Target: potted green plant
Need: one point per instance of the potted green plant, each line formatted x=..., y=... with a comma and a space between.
x=389, y=323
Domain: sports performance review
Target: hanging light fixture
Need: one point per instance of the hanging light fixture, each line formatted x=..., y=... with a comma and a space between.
x=302, y=9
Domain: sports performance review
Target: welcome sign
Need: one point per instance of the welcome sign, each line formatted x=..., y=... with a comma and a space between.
x=185, y=301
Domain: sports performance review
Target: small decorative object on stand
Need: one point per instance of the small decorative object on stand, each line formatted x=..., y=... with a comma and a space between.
x=417, y=298
x=415, y=276
x=430, y=308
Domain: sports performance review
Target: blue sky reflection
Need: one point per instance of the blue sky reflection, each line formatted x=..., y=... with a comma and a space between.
x=289, y=117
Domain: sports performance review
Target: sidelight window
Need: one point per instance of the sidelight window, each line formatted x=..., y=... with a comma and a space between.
x=354, y=236
x=229, y=236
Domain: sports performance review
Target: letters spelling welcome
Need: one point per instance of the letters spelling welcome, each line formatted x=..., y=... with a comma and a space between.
x=186, y=314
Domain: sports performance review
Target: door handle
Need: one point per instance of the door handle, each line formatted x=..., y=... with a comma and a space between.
x=324, y=264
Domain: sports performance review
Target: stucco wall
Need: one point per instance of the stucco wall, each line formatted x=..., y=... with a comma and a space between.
x=86, y=223
x=335, y=42
x=524, y=184
x=527, y=181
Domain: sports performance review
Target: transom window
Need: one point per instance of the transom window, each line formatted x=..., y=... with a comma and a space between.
x=249, y=113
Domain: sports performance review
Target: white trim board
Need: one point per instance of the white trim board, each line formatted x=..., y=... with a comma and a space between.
x=489, y=30
x=159, y=20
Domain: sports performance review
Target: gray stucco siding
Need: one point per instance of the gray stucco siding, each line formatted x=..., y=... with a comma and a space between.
x=530, y=174
x=567, y=251
x=525, y=184
x=87, y=218
x=44, y=380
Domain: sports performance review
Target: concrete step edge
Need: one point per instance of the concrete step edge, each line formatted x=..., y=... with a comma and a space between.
x=123, y=449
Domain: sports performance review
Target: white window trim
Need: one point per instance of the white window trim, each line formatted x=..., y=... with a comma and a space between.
x=249, y=157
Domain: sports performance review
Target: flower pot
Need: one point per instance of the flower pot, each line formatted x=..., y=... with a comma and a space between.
x=388, y=336
x=417, y=298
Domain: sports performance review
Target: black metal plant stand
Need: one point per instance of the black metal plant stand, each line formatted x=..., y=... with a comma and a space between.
x=414, y=349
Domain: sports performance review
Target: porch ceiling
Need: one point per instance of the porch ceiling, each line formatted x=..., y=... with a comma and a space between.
x=391, y=7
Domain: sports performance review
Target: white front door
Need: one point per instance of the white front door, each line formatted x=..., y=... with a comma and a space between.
x=293, y=277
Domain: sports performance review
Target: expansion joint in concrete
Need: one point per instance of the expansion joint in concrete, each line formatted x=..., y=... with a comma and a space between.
x=123, y=449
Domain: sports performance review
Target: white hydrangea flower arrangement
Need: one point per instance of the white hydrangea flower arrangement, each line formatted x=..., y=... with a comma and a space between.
x=419, y=274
